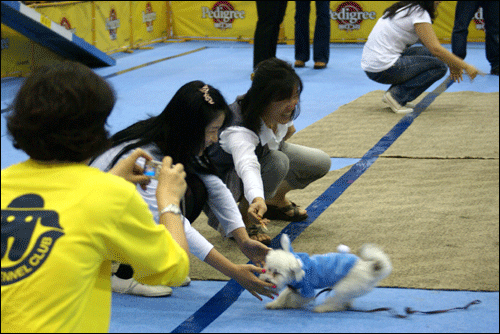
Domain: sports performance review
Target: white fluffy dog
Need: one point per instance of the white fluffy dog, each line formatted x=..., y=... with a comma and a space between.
x=348, y=275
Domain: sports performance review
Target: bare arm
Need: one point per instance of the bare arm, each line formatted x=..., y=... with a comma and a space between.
x=428, y=37
x=171, y=188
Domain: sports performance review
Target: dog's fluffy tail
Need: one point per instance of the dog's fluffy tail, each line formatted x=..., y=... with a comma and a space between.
x=381, y=265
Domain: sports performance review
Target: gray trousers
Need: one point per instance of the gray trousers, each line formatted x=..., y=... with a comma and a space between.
x=298, y=165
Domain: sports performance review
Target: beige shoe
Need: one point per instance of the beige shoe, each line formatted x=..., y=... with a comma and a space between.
x=299, y=63
x=132, y=287
x=408, y=105
x=394, y=105
x=186, y=282
x=319, y=65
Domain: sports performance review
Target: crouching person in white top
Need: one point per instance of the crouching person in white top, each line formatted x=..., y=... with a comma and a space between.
x=389, y=57
x=258, y=165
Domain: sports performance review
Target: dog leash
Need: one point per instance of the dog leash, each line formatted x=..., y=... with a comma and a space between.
x=408, y=310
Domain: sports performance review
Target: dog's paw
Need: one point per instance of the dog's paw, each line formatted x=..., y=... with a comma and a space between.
x=274, y=305
x=329, y=308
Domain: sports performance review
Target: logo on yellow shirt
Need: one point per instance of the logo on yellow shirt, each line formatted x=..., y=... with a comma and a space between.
x=23, y=219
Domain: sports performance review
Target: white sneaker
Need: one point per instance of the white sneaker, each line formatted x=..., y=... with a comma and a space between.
x=394, y=105
x=409, y=104
x=186, y=282
x=132, y=287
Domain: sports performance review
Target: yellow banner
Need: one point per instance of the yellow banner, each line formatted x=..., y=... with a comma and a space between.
x=149, y=21
x=214, y=19
x=351, y=21
x=120, y=24
x=20, y=54
x=72, y=17
x=16, y=49
x=112, y=26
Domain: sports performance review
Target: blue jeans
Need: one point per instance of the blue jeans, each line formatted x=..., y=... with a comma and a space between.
x=464, y=13
x=415, y=71
x=321, y=48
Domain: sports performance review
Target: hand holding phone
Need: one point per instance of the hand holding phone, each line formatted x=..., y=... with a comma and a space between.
x=152, y=169
x=171, y=182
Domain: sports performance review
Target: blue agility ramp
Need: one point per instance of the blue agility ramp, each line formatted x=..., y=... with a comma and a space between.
x=51, y=35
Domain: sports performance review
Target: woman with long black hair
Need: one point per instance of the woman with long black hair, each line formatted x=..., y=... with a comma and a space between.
x=186, y=127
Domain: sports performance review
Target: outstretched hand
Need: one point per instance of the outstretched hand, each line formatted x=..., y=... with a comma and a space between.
x=255, y=250
x=245, y=276
x=255, y=212
x=456, y=74
x=472, y=72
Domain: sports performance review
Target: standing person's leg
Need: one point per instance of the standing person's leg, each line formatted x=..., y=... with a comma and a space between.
x=321, y=46
x=464, y=12
x=263, y=31
x=280, y=15
x=490, y=12
x=270, y=15
x=302, y=47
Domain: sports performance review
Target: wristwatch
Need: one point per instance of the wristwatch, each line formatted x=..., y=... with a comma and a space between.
x=171, y=208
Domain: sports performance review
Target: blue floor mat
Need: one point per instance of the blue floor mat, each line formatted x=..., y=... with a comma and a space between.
x=140, y=314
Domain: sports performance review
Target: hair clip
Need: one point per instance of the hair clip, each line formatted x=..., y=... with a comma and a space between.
x=207, y=97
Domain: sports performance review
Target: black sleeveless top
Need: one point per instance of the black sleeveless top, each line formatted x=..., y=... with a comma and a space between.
x=221, y=160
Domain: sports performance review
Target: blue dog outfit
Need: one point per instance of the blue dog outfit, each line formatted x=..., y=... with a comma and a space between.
x=322, y=271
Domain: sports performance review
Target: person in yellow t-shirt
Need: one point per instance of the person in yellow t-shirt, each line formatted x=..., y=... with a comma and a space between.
x=63, y=223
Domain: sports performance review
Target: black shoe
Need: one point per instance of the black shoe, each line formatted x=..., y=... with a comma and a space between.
x=494, y=71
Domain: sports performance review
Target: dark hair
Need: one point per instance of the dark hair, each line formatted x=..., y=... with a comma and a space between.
x=179, y=131
x=412, y=5
x=273, y=80
x=60, y=113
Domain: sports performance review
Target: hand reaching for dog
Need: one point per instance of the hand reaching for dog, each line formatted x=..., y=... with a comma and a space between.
x=255, y=212
x=244, y=275
x=241, y=273
x=255, y=250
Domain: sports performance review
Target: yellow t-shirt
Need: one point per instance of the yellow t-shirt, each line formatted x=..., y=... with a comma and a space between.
x=62, y=225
